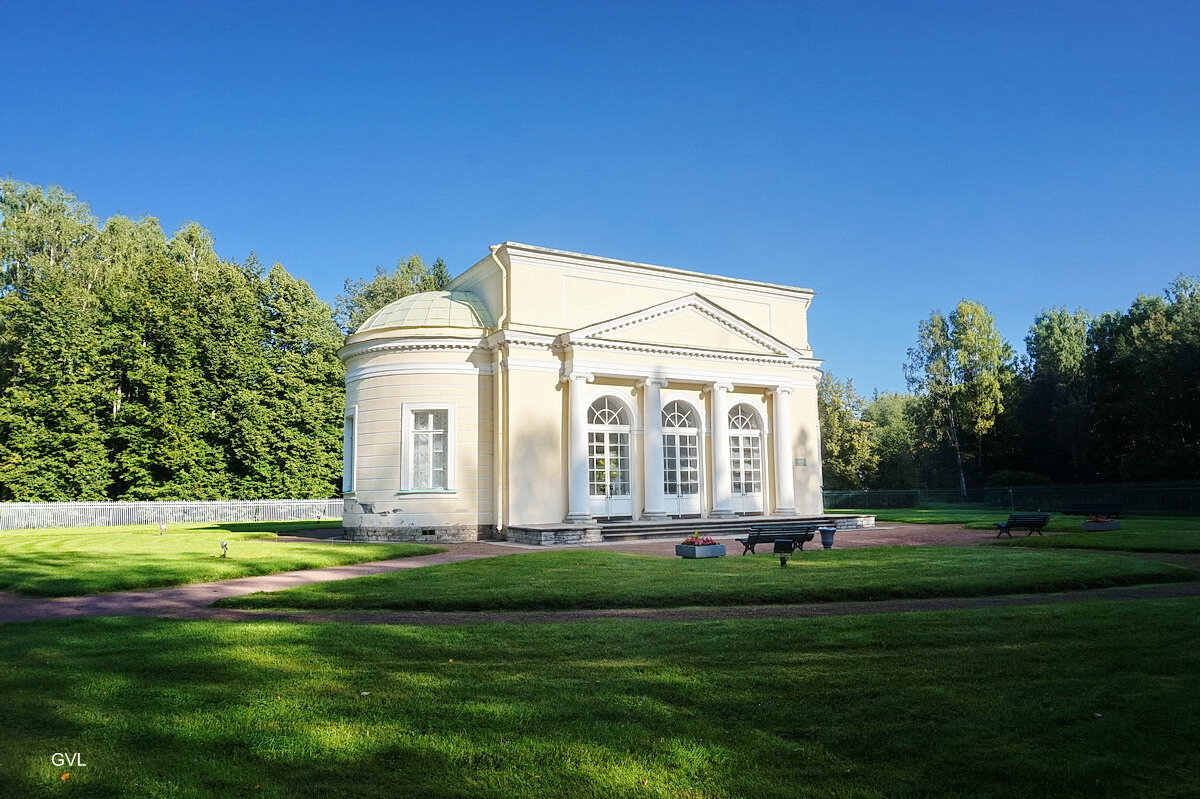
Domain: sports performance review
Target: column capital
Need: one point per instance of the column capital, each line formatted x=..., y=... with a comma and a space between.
x=587, y=377
x=719, y=386
x=773, y=390
x=661, y=382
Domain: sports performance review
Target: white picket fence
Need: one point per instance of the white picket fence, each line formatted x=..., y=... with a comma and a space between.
x=26, y=515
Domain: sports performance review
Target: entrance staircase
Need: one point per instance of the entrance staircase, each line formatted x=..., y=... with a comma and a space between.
x=644, y=529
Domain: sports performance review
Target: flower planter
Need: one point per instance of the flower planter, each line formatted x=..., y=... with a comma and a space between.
x=1100, y=527
x=827, y=536
x=709, y=551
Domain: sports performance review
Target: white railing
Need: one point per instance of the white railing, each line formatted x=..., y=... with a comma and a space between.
x=26, y=515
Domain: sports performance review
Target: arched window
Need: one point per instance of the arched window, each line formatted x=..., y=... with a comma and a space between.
x=679, y=415
x=743, y=417
x=608, y=411
x=745, y=457
x=609, y=467
x=681, y=458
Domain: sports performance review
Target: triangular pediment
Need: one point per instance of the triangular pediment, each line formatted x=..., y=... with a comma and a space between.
x=692, y=322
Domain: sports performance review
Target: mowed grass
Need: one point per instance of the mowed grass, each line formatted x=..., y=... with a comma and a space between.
x=77, y=561
x=604, y=579
x=1137, y=534
x=1081, y=700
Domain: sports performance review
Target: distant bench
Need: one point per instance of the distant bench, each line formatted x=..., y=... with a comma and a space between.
x=1111, y=509
x=1033, y=522
x=764, y=534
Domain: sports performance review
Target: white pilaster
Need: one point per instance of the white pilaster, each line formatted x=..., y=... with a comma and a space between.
x=785, y=485
x=722, y=506
x=652, y=447
x=578, y=511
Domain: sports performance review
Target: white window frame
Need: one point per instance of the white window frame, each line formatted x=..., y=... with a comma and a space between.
x=350, y=451
x=407, y=448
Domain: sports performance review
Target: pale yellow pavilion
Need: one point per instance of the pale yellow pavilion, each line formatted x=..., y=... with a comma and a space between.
x=546, y=387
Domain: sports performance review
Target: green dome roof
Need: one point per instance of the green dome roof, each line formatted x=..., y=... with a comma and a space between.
x=431, y=309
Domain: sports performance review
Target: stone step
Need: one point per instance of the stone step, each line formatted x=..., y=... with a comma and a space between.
x=669, y=528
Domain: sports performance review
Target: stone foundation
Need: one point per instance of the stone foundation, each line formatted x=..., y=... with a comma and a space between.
x=446, y=534
x=561, y=536
x=853, y=522
x=392, y=522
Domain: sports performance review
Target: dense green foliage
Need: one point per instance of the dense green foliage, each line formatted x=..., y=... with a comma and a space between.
x=601, y=579
x=1091, y=700
x=845, y=445
x=93, y=560
x=1113, y=398
x=134, y=365
x=137, y=365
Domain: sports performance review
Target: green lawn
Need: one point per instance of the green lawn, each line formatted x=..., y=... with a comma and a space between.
x=1133, y=537
x=1138, y=534
x=1094, y=700
x=604, y=579
x=76, y=561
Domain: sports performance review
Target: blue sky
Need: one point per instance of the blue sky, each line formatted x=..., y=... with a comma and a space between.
x=895, y=158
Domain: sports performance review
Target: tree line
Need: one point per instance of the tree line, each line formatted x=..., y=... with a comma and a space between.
x=1108, y=398
x=140, y=366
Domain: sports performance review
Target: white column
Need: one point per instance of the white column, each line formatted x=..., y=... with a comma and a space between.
x=652, y=447
x=578, y=510
x=722, y=506
x=785, y=484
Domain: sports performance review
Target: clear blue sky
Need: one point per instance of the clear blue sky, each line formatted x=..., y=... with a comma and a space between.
x=895, y=159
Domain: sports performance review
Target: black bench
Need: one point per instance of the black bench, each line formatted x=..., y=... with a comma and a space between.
x=1110, y=509
x=1033, y=522
x=796, y=533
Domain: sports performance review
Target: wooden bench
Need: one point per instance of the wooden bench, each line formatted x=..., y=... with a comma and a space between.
x=798, y=534
x=1110, y=509
x=1033, y=522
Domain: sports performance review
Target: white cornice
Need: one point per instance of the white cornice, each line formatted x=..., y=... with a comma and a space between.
x=413, y=344
x=439, y=368
x=519, y=338
x=801, y=376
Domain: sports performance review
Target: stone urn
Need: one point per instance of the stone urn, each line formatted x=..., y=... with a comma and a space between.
x=827, y=536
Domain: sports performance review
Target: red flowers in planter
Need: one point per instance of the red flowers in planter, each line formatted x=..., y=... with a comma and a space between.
x=695, y=540
x=1101, y=520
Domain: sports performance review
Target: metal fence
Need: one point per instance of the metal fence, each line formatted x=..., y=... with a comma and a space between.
x=1136, y=498
x=25, y=515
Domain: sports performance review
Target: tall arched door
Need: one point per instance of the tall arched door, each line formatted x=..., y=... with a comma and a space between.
x=681, y=459
x=609, y=477
x=745, y=460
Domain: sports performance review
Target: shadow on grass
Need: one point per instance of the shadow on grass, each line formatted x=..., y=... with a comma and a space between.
x=869, y=706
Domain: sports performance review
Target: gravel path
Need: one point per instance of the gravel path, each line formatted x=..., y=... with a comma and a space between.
x=193, y=601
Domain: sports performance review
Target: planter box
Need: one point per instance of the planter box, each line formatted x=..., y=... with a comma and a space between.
x=1100, y=527
x=710, y=551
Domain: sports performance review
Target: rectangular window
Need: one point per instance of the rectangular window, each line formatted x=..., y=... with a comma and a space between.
x=350, y=451
x=428, y=448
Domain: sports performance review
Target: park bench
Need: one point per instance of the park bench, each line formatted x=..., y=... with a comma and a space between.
x=1111, y=510
x=798, y=534
x=1033, y=522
